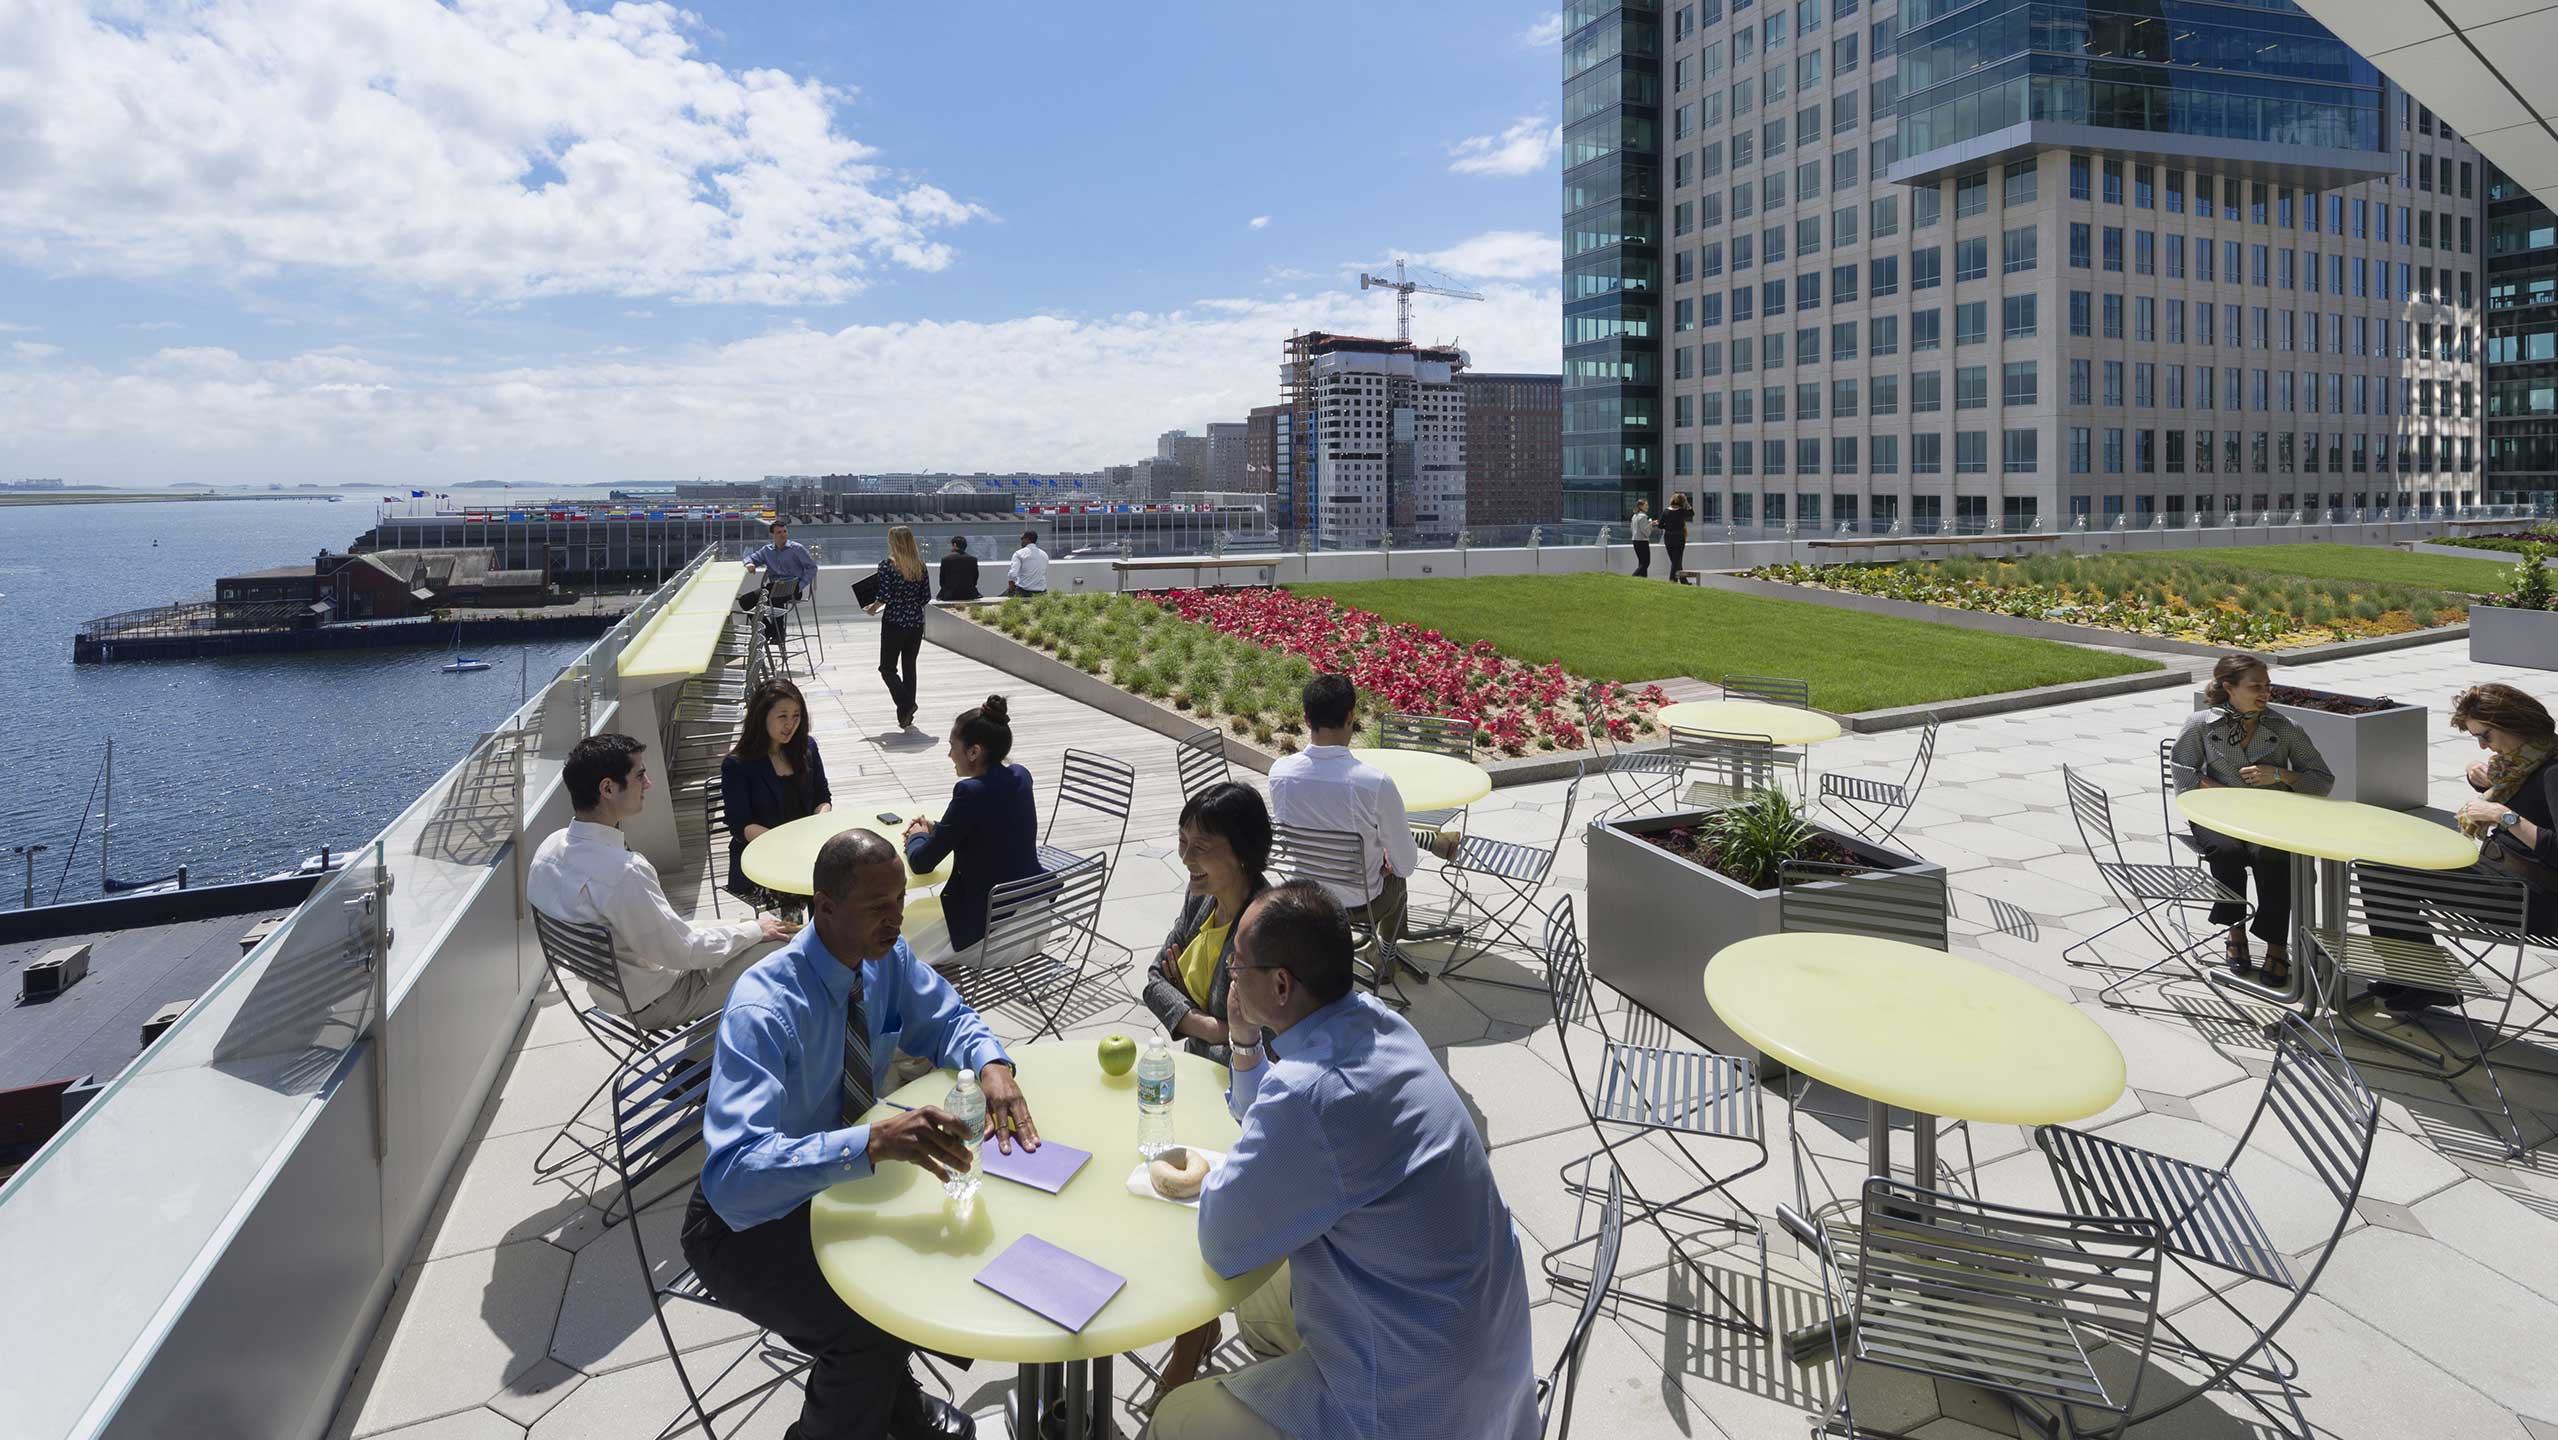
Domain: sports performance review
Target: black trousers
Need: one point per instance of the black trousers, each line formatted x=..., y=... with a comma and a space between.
x=2231, y=863
x=898, y=645
x=1677, y=549
x=767, y=1274
x=1642, y=557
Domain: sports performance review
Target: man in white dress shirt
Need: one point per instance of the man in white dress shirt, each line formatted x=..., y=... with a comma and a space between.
x=1325, y=787
x=672, y=970
x=1028, y=574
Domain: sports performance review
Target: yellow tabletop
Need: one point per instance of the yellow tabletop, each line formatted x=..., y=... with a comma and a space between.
x=785, y=857
x=900, y=1254
x=1427, y=781
x=1916, y=1028
x=679, y=638
x=1781, y=724
x=2328, y=829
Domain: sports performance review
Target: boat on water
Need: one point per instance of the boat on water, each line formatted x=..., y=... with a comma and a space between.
x=328, y=862
x=461, y=664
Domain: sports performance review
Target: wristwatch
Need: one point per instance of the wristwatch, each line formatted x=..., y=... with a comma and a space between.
x=2508, y=820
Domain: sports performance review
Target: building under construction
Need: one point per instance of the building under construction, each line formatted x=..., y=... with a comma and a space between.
x=1379, y=439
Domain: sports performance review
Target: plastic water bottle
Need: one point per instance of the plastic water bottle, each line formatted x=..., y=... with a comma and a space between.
x=1154, y=1098
x=966, y=1104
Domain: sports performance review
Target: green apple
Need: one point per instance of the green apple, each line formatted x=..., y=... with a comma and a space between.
x=1118, y=1054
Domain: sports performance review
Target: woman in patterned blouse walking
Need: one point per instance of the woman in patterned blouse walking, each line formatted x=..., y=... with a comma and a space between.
x=903, y=593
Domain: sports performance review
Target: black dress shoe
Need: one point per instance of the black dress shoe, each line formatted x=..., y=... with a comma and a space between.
x=919, y=1416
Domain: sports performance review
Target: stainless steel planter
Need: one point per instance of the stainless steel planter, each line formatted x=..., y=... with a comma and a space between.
x=1657, y=920
x=2500, y=636
x=2379, y=758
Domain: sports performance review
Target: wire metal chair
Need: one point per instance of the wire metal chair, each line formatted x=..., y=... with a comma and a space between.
x=1638, y=778
x=2158, y=898
x=2437, y=930
x=1517, y=872
x=1103, y=787
x=573, y=952
x=1722, y=770
x=2005, y=1298
x=1556, y=1388
x=1774, y=689
x=2321, y=1105
x=1037, y=945
x=1431, y=735
x=1201, y=758
x=1876, y=809
x=1648, y=1085
x=657, y=1120
x=1339, y=860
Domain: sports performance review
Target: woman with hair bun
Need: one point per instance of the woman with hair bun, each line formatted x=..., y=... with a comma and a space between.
x=2239, y=740
x=990, y=832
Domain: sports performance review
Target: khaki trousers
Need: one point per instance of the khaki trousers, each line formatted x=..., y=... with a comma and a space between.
x=1204, y=1409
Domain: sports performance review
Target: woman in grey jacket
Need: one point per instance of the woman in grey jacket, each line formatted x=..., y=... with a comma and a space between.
x=2241, y=741
x=1225, y=842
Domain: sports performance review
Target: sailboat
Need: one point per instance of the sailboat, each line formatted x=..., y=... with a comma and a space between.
x=461, y=664
x=107, y=882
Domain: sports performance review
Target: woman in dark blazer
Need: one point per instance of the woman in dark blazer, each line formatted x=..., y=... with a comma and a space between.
x=771, y=776
x=1225, y=842
x=990, y=832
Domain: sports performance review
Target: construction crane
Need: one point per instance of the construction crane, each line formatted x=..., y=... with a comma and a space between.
x=1403, y=292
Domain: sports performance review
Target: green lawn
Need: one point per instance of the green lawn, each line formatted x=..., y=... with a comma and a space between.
x=1615, y=627
x=2363, y=562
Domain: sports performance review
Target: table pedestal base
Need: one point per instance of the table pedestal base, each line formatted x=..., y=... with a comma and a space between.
x=2318, y=899
x=1068, y=1401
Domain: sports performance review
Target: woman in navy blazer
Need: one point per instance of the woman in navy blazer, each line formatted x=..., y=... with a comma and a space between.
x=991, y=828
x=770, y=777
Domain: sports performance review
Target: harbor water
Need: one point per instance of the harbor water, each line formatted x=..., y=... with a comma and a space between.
x=235, y=767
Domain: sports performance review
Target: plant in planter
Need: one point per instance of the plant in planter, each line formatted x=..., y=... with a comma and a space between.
x=2519, y=627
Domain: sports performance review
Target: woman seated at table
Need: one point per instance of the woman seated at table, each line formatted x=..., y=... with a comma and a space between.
x=990, y=834
x=2241, y=741
x=771, y=776
x=1225, y=842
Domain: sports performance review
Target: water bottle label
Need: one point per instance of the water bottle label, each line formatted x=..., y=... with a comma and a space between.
x=1155, y=1091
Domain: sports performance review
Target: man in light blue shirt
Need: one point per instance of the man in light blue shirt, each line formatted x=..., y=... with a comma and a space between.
x=1406, y=1292
x=783, y=559
x=789, y=1082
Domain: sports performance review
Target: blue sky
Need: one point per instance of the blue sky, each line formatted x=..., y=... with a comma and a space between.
x=512, y=239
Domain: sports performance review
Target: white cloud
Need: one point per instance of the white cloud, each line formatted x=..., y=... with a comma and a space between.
x=31, y=350
x=1525, y=148
x=149, y=325
x=1548, y=31
x=1499, y=255
x=1042, y=391
x=489, y=149
x=8, y=329
x=1259, y=222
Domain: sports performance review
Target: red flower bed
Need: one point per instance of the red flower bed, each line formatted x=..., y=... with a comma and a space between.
x=1409, y=669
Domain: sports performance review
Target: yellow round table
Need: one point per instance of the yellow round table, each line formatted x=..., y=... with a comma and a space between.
x=1781, y=724
x=1903, y=1025
x=900, y=1254
x=1427, y=781
x=784, y=858
x=2329, y=832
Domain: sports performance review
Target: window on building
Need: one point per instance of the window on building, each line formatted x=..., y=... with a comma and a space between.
x=2019, y=385
x=1927, y=392
x=2019, y=179
x=2016, y=315
x=1971, y=322
x=1972, y=258
x=1925, y=334
x=2081, y=313
x=2082, y=246
x=2080, y=170
x=2114, y=247
x=1927, y=269
x=2082, y=382
x=2017, y=452
x=1886, y=397
x=1971, y=387
x=1883, y=217
x=2016, y=249
x=1927, y=204
x=2113, y=182
x=1971, y=457
x=1971, y=193
x=1883, y=335
x=1927, y=457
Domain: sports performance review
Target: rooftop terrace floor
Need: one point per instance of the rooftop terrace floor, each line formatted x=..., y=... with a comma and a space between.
x=2435, y=1317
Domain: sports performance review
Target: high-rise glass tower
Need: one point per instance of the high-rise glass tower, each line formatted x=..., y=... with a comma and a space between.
x=1971, y=265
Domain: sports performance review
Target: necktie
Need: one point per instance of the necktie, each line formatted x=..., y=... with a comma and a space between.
x=857, y=1073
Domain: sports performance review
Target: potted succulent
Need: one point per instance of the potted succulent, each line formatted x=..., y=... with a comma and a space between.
x=2517, y=627
x=2375, y=745
x=1668, y=891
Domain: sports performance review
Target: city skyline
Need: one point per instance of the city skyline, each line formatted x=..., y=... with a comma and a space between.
x=261, y=245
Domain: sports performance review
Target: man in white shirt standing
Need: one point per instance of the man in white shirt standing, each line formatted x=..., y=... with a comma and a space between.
x=1028, y=574
x=1325, y=787
x=672, y=971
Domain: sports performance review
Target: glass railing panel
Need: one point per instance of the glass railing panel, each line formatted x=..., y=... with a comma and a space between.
x=105, y=1227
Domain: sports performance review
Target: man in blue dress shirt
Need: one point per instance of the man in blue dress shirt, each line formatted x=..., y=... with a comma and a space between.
x=783, y=559
x=1403, y=1309
x=790, y=1079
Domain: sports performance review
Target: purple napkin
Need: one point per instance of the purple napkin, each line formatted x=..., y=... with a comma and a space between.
x=1047, y=1168
x=1050, y=1282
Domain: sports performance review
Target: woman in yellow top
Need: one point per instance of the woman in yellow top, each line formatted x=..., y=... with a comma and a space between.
x=1225, y=842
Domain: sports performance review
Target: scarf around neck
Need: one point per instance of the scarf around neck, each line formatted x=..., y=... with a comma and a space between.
x=2506, y=775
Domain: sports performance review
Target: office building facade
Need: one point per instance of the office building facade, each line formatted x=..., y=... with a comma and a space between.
x=1379, y=434
x=2000, y=265
x=1225, y=445
x=1514, y=450
x=2522, y=345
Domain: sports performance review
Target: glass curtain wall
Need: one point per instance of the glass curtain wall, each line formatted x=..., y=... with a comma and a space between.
x=2521, y=372
x=1612, y=147
x=2262, y=72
